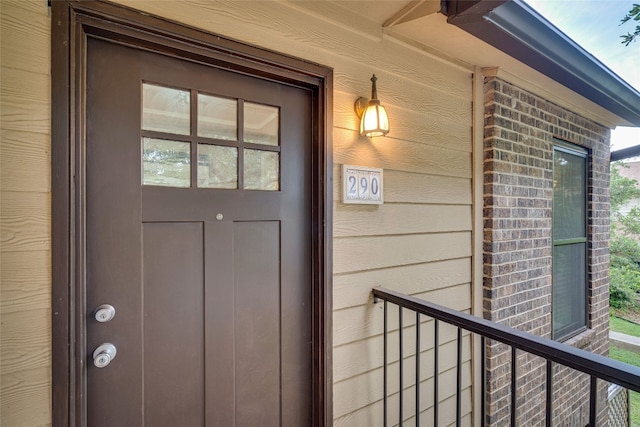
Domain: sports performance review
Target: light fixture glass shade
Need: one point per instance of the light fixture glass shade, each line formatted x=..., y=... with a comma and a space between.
x=373, y=117
x=374, y=121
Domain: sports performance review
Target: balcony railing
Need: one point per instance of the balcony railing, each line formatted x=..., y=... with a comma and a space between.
x=594, y=365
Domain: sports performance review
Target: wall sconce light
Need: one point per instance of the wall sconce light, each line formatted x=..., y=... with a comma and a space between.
x=373, y=117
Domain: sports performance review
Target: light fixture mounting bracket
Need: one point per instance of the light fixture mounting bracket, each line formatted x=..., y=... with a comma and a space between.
x=360, y=105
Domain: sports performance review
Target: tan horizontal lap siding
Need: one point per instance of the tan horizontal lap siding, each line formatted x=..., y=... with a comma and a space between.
x=352, y=289
x=25, y=214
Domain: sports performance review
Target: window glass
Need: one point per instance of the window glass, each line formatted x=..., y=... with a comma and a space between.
x=261, y=170
x=217, y=117
x=569, y=196
x=166, y=163
x=569, y=289
x=261, y=124
x=217, y=166
x=165, y=109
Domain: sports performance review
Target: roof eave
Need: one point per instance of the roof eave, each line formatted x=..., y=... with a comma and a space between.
x=518, y=30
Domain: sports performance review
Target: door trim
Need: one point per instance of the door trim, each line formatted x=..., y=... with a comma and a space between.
x=73, y=22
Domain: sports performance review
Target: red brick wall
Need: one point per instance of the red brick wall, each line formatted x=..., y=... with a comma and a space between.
x=518, y=195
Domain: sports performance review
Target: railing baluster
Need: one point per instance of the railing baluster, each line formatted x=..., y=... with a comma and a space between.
x=593, y=401
x=549, y=403
x=513, y=386
x=401, y=365
x=417, y=369
x=384, y=380
x=435, y=371
x=459, y=381
x=483, y=375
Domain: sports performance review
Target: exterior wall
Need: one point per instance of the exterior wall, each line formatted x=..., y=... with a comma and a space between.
x=418, y=242
x=518, y=152
x=25, y=250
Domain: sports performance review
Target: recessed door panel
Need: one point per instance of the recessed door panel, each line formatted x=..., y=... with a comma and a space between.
x=173, y=323
x=257, y=321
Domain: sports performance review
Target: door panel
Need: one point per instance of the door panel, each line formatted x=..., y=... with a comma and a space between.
x=173, y=328
x=256, y=246
x=212, y=287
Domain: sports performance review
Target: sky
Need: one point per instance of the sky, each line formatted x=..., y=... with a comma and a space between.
x=595, y=25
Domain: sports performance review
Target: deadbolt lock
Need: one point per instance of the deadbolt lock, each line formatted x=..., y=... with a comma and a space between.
x=104, y=313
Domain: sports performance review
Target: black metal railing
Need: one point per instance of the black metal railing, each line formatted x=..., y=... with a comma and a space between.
x=594, y=365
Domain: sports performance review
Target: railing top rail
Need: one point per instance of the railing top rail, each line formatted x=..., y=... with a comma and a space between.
x=602, y=367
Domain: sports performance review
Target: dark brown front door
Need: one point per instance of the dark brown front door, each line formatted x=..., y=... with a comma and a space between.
x=198, y=231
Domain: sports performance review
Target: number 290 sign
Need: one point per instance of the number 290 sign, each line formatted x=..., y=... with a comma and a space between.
x=361, y=185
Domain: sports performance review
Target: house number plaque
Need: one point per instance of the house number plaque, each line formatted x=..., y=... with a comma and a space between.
x=361, y=185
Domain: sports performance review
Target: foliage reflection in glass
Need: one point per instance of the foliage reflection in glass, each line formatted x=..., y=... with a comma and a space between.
x=166, y=163
x=217, y=166
x=261, y=170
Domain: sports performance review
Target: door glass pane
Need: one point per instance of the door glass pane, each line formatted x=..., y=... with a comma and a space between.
x=165, y=109
x=217, y=166
x=569, y=287
x=569, y=195
x=166, y=163
x=261, y=170
x=217, y=117
x=261, y=124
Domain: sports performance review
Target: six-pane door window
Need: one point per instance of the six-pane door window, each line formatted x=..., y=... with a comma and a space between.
x=193, y=139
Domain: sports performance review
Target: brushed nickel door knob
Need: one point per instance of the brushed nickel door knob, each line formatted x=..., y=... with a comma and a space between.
x=104, y=354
